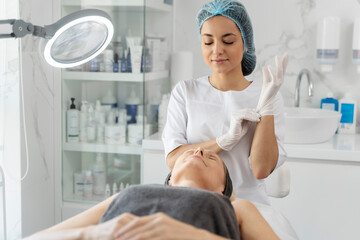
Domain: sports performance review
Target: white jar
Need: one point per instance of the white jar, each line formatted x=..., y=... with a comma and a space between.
x=115, y=134
x=135, y=133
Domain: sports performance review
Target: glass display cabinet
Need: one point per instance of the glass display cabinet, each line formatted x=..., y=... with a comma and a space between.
x=111, y=103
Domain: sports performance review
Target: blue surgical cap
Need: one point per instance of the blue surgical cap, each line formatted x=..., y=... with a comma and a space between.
x=235, y=11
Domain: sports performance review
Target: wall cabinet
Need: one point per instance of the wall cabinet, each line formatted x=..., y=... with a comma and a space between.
x=107, y=155
x=324, y=200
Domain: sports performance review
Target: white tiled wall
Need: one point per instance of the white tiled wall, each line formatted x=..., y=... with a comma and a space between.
x=285, y=26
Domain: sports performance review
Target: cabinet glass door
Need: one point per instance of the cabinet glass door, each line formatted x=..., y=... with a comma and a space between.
x=111, y=103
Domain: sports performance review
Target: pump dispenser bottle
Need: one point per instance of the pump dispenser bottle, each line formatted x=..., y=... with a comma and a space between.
x=328, y=42
x=356, y=44
x=72, y=123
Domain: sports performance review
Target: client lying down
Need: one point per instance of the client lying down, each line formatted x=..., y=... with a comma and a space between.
x=194, y=204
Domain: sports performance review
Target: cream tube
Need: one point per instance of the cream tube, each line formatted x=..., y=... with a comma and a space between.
x=136, y=54
x=130, y=41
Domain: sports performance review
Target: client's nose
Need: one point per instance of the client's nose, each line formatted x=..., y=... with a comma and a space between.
x=199, y=151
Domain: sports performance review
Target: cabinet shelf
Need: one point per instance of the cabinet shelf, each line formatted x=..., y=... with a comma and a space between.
x=103, y=148
x=151, y=5
x=117, y=77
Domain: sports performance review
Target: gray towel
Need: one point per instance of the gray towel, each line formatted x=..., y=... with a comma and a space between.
x=200, y=208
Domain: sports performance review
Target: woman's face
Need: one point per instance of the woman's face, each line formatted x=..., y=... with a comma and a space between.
x=221, y=44
x=203, y=167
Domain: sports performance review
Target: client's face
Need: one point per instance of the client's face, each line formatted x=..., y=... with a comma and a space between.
x=199, y=168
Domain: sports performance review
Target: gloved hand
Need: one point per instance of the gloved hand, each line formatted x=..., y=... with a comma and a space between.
x=271, y=84
x=239, y=125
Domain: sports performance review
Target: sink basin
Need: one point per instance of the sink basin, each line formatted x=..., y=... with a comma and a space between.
x=310, y=125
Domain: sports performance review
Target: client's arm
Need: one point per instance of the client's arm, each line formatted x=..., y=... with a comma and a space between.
x=252, y=225
x=87, y=218
x=103, y=231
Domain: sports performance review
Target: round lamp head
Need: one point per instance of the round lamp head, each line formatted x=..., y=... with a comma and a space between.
x=77, y=38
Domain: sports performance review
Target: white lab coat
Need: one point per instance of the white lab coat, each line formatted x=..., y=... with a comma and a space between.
x=198, y=112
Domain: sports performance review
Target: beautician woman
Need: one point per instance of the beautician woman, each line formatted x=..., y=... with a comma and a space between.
x=240, y=120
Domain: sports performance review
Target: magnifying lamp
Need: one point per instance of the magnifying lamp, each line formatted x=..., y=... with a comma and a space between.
x=71, y=41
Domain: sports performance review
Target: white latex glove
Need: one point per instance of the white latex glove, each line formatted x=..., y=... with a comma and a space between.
x=271, y=84
x=239, y=125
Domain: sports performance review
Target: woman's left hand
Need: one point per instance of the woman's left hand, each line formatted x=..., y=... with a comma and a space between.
x=160, y=226
x=271, y=84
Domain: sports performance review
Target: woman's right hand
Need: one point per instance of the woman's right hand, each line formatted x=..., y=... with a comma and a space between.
x=108, y=229
x=239, y=125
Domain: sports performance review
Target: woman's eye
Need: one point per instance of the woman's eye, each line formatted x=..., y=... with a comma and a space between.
x=228, y=43
x=213, y=158
x=209, y=43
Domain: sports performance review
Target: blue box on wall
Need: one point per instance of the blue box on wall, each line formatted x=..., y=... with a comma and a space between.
x=170, y=2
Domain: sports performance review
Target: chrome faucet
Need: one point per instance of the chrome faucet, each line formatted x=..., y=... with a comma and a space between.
x=297, y=87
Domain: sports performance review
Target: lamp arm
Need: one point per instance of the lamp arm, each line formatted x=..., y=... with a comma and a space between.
x=10, y=22
x=19, y=27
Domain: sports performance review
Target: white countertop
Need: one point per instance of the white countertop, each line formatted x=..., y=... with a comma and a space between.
x=339, y=148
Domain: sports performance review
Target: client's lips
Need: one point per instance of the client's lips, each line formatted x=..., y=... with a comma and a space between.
x=218, y=61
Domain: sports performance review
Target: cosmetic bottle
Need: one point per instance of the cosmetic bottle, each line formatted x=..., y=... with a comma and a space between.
x=98, y=111
x=329, y=102
x=100, y=129
x=122, y=186
x=94, y=65
x=78, y=184
x=128, y=61
x=124, y=62
x=109, y=100
x=118, y=46
x=91, y=124
x=347, y=109
x=114, y=188
x=109, y=131
x=108, y=59
x=99, y=175
x=72, y=123
x=83, y=121
x=88, y=185
x=121, y=126
x=116, y=63
x=131, y=105
x=146, y=64
x=107, y=191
